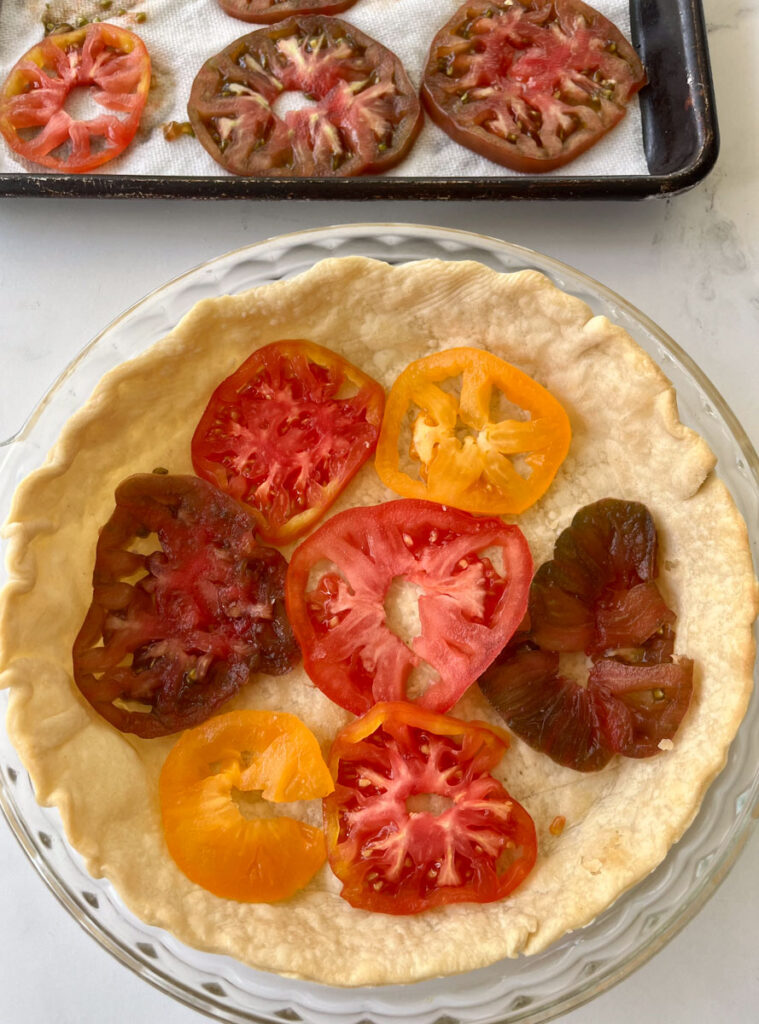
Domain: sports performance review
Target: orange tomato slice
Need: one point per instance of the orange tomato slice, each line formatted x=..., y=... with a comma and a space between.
x=490, y=445
x=252, y=859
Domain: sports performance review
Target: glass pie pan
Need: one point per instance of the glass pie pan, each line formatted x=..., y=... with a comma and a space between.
x=537, y=988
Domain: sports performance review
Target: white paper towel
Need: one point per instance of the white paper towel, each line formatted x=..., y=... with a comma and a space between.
x=182, y=34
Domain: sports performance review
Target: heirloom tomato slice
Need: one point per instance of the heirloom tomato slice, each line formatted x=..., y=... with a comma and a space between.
x=258, y=856
x=266, y=12
x=598, y=596
x=362, y=117
x=405, y=601
x=530, y=84
x=416, y=819
x=186, y=606
x=109, y=61
x=286, y=432
x=480, y=434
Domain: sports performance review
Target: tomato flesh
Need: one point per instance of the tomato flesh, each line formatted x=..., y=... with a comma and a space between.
x=416, y=819
x=465, y=450
x=181, y=627
x=286, y=432
x=530, y=84
x=253, y=859
x=597, y=596
x=111, y=62
x=365, y=118
x=339, y=583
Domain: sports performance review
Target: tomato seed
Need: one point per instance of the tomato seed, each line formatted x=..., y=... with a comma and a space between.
x=557, y=825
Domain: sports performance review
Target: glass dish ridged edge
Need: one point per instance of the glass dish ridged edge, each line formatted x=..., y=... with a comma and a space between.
x=538, y=988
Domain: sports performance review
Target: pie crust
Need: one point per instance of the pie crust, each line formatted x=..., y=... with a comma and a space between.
x=627, y=443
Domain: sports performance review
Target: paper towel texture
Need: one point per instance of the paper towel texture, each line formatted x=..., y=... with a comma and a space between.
x=182, y=36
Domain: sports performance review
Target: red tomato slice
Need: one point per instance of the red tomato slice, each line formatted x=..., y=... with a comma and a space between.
x=416, y=820
x=365, y=118
x=266, y=12
x=598, y=595
x=286, y=432
x=346, y=583
x=530, y=84
x=178, y=624
x=109, y=61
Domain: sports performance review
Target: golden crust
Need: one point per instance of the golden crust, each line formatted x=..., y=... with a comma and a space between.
x=628, y=443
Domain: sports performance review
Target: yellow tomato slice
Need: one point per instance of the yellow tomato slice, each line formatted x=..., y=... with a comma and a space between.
x=251, y=859
x=485, y=437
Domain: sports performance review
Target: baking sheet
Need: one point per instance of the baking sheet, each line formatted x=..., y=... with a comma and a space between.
x=181, y=36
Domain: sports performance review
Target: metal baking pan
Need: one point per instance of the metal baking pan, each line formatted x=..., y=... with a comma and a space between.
x=680, y=138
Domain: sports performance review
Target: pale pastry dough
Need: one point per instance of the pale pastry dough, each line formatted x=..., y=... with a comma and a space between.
x=627, y=443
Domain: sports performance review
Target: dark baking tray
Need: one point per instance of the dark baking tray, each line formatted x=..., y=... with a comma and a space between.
x=680, y=139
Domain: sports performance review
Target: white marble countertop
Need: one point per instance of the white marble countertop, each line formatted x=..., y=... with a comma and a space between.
x=68, y=267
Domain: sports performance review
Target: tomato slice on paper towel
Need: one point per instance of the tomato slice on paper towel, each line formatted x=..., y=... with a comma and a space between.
x=109, y=61
x=253, y=856
x=266, y=12
x=286, y=432
x=416, y=819
x=530, y=84
x=362, y=114
x=598, y=596
x=471, y=449
x=405, y=600
x=186, y=607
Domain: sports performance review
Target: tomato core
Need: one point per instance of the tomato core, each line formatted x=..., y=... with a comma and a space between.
x=428, y=803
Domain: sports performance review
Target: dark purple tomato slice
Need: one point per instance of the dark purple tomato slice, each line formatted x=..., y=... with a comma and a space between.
x=363, y=118
x=598, y=596
x=530, y=84
x=547, y=710
x=186, y=607
x=266, y=12
x=640, y=705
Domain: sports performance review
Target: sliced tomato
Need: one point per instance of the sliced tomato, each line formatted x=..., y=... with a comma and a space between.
x=546, y=709
x=261, y=857
x=530, y=84
x=186, y=607
x=109, y=61
x=416, y=819
x=405, y=600
x=640, y=705
x=266, y=12
x=468, y=448
x=597, y=596
x=286, y=432
x=364, y=120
